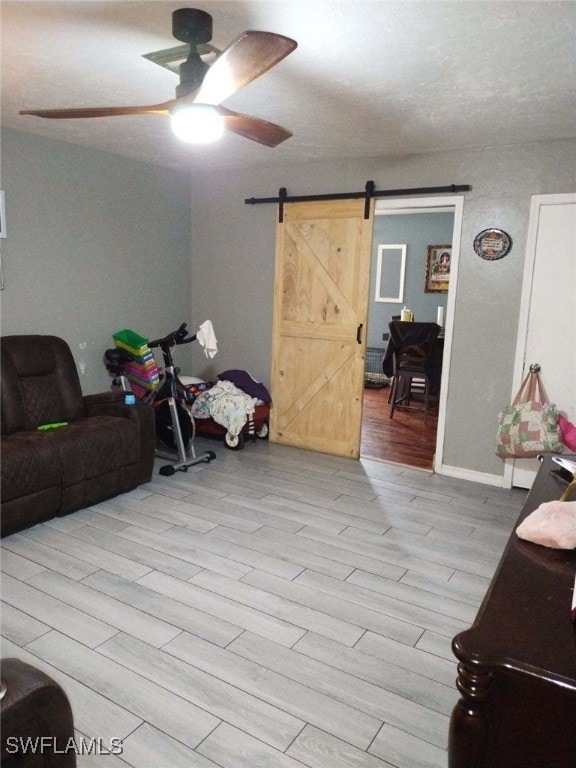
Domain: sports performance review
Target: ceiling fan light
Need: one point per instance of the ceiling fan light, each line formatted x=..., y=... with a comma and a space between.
x=197, y=123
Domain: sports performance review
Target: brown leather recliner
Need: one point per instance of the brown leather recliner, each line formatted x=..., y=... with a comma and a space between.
x=106, y=447
x=37, y=725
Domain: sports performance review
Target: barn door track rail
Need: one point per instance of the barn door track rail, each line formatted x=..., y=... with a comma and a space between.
x=368, y=193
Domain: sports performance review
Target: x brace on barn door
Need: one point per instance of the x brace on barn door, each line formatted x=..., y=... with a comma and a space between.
x=368, y=193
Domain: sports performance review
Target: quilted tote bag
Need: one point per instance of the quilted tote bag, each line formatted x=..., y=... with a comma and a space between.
x=530, y=425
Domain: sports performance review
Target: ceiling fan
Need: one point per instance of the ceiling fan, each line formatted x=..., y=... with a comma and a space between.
x=197, y=113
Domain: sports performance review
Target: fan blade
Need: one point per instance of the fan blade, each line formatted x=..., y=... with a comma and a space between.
x=246, y=58
x=57, y=114
x=254, y=128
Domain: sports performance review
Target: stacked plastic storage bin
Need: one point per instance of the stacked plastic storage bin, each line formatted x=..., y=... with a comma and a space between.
x=141, y=371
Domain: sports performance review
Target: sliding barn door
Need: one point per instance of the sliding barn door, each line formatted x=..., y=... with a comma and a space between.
x=323, y=252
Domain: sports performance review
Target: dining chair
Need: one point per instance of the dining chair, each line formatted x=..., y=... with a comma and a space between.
x=388, y=360
x=414, y=345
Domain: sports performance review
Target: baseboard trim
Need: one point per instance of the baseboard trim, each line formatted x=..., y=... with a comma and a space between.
x=476, y=477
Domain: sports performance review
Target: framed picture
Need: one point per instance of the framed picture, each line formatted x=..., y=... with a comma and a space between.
x=2, y=216
x=438, y=268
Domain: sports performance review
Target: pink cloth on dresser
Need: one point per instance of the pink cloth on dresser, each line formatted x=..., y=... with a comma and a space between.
x=568, y=432
x=553, y=524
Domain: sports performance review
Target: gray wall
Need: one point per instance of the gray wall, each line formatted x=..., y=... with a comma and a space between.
x=233, y=266
x=417, y=231
x=96, y=243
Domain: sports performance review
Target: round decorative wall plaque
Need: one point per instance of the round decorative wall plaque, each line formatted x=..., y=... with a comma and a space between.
x=492, y=244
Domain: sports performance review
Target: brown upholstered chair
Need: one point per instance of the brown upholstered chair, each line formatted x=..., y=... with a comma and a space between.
x=106, y=447
x=36, y=721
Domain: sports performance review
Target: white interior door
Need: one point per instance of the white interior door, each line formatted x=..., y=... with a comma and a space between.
x=547, y=328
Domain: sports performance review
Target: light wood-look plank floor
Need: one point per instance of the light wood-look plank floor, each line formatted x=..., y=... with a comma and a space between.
x=274, y=608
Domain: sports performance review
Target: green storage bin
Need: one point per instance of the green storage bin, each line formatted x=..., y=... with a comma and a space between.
x=131, y=341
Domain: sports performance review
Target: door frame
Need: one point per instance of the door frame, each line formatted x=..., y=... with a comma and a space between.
x=416, y=204
x=537, y=202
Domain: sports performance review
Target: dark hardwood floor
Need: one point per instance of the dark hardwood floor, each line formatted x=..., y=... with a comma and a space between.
x=405, y=439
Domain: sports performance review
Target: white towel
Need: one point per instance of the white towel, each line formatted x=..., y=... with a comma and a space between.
x=206, y=338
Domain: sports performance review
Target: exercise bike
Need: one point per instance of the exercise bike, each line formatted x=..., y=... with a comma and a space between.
x=115, y=359
x=175, y=428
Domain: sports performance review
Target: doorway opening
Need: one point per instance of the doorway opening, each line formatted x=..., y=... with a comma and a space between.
x=405, y=439
x=405, y=236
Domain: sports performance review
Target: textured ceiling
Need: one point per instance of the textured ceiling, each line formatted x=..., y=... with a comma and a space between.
x=372, y=78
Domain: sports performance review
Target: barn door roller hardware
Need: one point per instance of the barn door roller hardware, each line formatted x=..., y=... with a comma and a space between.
x=368, y=193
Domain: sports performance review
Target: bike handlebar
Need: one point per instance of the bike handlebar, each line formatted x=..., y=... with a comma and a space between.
x=176, y=337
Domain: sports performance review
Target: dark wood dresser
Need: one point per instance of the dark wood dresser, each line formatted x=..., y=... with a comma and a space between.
x=517, y=670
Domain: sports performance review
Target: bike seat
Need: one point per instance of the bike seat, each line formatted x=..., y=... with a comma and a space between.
x=116, y=357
